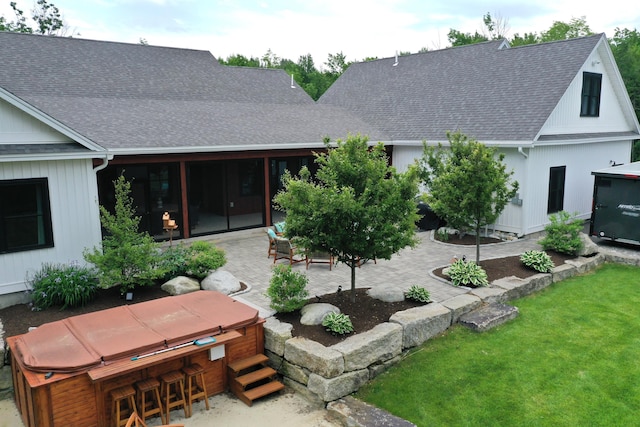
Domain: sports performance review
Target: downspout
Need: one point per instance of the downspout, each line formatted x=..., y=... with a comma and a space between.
x=521, y=151
x=105, y=163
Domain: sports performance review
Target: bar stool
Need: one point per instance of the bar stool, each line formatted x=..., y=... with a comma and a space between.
x=195, y=391
x=153, y=405
x=172, y=384
x=121, y=395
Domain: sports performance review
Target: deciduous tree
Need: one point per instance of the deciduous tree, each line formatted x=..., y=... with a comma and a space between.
x=467, y=182
x=357, y=207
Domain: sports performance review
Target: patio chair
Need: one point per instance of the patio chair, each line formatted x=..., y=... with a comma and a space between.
x=319, y=257
x=272, y=242
x=285, y=250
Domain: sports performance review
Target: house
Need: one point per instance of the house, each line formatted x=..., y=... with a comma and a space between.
x=208, y=143
x=204, y=142
x=557, y=111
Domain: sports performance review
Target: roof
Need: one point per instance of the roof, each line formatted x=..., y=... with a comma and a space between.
x=133, y=98
x=488, y=90
x=629, y=171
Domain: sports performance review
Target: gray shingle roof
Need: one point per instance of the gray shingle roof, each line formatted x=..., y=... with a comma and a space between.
x=136, y=97
x=488, y=93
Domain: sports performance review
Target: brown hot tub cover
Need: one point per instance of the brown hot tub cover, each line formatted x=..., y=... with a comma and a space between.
x=87, y=340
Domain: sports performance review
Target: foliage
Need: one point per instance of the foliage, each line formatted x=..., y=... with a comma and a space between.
x=357, y=208
x=442, y=235
x=197, y=260
x=127, y=257
x=63, y=285
x=625, y=46
x=417, y=293
x=464, y=273
x=576, y=27
x=468, y=185
x=562, y=378
x=563, y=234
x=537, y=260
x=287, y=289
x=337, y=323
x=46, y=17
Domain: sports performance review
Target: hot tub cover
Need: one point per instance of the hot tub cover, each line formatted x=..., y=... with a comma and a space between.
x=84, y=341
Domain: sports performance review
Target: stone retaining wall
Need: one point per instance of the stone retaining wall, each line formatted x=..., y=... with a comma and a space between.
x=330, y=373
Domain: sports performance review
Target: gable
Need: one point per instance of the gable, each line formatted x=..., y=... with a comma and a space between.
x=615, y=114
x=17, y=127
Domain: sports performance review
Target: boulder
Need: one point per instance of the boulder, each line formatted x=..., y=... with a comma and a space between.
x=588, y=246
x=181, y=285
x=386, y=294
x=314, y=314
x=221, y=281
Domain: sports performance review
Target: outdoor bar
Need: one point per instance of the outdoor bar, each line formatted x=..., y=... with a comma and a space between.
x=64, y=371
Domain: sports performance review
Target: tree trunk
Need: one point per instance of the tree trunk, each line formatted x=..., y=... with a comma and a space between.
x=353, y=279
x=477, y=244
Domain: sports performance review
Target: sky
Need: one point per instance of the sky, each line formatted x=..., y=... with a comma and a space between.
x=358, y=29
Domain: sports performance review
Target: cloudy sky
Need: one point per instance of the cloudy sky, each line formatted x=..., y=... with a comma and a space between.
x=291, y=28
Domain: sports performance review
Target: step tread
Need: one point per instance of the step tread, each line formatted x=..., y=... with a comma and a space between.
x=252, y=377
x=264, y=390
x=242, y=364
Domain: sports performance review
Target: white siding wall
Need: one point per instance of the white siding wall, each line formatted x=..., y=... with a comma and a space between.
x=580, y=160
x=403, y=156
x=566, y=119
x=17, y=127
x=74, y=215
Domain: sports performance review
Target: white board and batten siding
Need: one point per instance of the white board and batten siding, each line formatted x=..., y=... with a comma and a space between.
x=74, y=216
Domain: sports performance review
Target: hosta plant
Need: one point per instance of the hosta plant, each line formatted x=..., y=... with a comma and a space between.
x=417, y=293
x=537, y=260
x=464, y=273
x=337, y=323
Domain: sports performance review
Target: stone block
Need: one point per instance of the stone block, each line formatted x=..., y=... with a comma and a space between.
x=329, y=389
x=319, y=359
x=489, y=316
x=516, y=287
x=276, y=333
x=381, y=343
x=375, y=370
x=303, y=391
x=355, y=413
x=490, y=294
x=562, y=272
x=421, y=323
x=461, y=304
x=294, y=372
x=585, y=264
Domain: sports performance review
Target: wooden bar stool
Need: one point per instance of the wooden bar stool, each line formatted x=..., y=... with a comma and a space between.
x=172, y=384
x=119, y=396
x=195, y=391
x=152, y=405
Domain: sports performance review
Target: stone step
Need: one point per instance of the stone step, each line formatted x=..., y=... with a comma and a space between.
x=352, y=412
x=488, y=316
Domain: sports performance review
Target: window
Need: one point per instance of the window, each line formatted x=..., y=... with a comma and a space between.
x=25, y=216
x=591, y=85
x=556, y=189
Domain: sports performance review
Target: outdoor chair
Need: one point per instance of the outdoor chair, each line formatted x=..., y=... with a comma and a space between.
x=319, y=257
x=272, y=242
x=285, y=250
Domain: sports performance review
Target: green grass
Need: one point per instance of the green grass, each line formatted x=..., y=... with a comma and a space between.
x=571, y=358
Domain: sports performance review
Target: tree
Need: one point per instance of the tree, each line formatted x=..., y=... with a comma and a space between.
x=467, y=184
x=46, y=17
x=357, y=207
x=127, y=256
x=576, y=27
x=625, y=46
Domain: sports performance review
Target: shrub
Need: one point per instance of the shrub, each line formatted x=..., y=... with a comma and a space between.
x=63, y=285
x=126, y=257
x=563, y=234
x=467, y=274
x=202, y=258
x=173, y=262
x=417, y=293
x=337, y=323
x=442, y=235
x=287, y=289
x=537, y=260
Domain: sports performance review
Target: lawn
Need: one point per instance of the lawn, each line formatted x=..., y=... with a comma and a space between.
x=571, y=358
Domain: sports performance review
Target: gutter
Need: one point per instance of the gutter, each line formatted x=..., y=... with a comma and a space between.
x=521, y=151
x=105, y=162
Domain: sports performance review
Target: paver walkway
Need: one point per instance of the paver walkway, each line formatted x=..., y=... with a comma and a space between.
x=246, y=253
